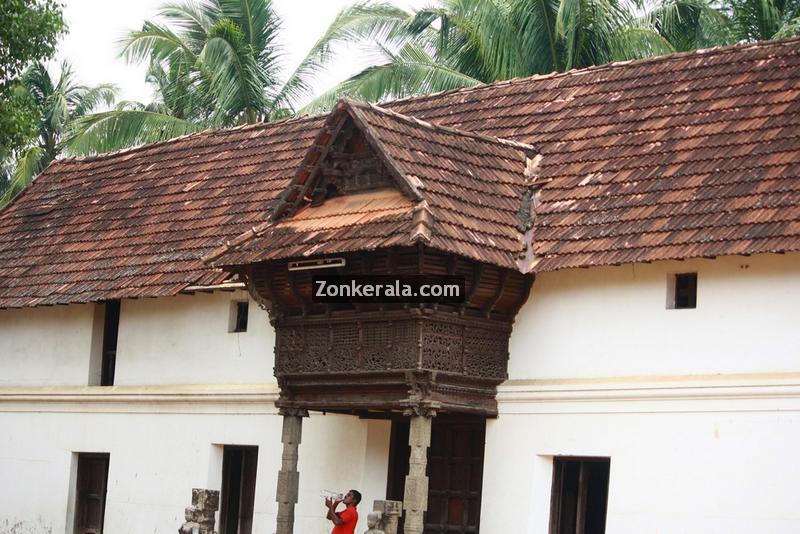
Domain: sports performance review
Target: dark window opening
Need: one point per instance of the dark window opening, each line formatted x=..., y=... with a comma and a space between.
x=239, y=317
x=238, y=489
x=579, y=496
x=90, y=493
x=685, y=291
x=110, y=335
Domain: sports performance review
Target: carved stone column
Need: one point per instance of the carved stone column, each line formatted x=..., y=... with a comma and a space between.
x=289, y=476
x=415, y=500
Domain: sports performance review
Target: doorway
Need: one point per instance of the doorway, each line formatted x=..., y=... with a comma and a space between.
x=237, y=501
x=455, y=472
x=90, y=495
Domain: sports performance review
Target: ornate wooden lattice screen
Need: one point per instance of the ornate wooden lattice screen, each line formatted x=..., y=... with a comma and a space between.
x=415, y=358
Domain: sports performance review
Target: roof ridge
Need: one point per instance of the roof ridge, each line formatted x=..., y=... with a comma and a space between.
x=419, y=98
x=435, y=126
x=205, y=132
x=714, y=50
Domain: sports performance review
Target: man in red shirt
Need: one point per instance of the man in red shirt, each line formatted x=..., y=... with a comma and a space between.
x=345, y=521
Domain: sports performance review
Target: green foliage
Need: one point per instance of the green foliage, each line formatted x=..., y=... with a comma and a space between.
x=58, y=104
x=212, y=64
x=18, y=118
x=460, y=43
x=29, y=30
x=755, y=20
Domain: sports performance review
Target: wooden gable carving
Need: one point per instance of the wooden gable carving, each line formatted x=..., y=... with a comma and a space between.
x=345, y=159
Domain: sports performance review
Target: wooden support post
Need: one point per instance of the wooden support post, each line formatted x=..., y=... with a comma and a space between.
x=289, y=476
x=415, y=500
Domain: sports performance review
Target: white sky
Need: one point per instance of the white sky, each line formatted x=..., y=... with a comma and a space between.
x=95, y=26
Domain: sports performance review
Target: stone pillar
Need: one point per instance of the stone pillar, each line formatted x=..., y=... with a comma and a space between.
x=200, y=515
x=289, y=476
x=415, y=500
x=390, y=515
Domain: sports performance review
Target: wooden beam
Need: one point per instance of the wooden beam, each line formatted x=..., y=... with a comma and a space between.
x=501, y=286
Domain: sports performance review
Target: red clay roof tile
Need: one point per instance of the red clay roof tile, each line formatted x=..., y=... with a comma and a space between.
x=681, y=156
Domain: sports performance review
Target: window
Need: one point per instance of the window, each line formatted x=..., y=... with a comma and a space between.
x=90, y=493
x=579, y=496
x=682, y=289
x=238, y=489
x=239, y=312
x=110, y=335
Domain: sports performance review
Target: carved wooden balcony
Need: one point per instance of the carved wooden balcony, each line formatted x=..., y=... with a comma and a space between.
x=392, y=357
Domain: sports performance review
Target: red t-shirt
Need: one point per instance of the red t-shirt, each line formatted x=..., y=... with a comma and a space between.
x=350, y=518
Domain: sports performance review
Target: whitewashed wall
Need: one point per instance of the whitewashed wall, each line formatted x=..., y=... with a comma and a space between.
x=185, y=340
x=184, y=386
x=46, y=346
x=699, y=410
x=159, y=451
x=613, y=321
x=176, y=340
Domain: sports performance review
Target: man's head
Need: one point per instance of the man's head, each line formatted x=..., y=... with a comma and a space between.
x=353, y=497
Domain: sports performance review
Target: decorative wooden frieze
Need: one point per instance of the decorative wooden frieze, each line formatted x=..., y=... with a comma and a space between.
x=415, y=358
x=399, y=340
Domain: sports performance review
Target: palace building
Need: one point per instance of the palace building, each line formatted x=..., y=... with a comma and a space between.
x=625, y=358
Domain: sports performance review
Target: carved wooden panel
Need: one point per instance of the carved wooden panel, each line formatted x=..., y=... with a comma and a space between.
x=361, y=357
x=442, y=346
x=432, y=342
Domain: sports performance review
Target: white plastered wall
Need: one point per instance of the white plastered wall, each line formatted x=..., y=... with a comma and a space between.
x=613, y=321
x=699, y=410
x=186, y=340
x=157, y=455
x=46, y=346
x=184, y=386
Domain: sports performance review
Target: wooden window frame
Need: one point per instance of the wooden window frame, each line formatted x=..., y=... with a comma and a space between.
x=682, y=291
x=238, y=325
x=556, y=505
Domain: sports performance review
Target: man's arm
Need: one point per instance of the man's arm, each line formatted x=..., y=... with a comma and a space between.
x=332, y=515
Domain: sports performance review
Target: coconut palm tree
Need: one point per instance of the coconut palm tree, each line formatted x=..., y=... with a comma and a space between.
x=756, y=20
x=212, y=64
x=460, y=43
x=60, y=102
x=692, y=24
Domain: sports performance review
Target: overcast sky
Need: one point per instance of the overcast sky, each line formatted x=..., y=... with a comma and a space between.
x=95, y=26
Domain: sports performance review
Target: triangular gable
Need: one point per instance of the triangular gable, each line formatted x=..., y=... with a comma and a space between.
x=345, y=158
x=375, y=178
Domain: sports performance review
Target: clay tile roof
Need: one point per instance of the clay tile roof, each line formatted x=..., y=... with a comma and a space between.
x=690, y=155
x=459, y=192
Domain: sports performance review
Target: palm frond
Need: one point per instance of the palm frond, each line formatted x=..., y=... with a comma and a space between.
x=29, y=164
x=411, y=71
x=154, y=42
x=536, y=21
x=90, y=98
x=122, y=128
x=361, y=22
